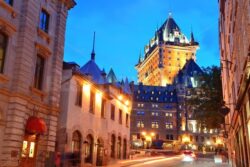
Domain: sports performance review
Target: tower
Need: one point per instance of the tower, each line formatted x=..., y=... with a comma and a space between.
x=165, y=54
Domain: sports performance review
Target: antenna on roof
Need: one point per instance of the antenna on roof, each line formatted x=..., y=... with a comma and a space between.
x=93, y=50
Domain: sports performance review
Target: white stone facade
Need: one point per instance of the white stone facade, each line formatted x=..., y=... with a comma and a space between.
x=19, y=22
x=78, y=118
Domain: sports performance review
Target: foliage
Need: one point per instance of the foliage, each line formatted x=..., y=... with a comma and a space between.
x=205, y=101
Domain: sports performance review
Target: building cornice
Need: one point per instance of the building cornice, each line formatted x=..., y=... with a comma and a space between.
x=69, y=3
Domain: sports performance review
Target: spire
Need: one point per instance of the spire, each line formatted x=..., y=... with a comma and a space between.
x=139, y=61
x=192, y=36
x=169, y=14
x=93, y=50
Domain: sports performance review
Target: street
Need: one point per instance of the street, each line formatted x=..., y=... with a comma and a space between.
x=173, y=161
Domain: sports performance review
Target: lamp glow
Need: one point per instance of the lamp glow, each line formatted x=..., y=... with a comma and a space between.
x=86, y=88
x=120, y=97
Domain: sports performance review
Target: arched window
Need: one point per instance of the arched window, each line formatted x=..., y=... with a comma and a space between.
x=89, y=149
x=3, y=46
x=76, y=141
x=119, y=148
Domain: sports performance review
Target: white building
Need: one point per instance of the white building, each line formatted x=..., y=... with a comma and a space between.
x=94, y=119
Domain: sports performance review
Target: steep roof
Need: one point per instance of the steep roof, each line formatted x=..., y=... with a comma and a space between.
x=92, y=69
x=188, y=73
x=170, y=25
x=126, y=87
x=156, y=94
x=191, y=68
x=111, y=77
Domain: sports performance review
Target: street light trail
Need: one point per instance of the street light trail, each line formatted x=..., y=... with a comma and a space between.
x=157, y=161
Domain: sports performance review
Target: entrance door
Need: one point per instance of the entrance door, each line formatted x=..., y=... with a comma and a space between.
x=28, y=154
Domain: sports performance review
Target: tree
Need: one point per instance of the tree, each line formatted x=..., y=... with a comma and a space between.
x=205, y=102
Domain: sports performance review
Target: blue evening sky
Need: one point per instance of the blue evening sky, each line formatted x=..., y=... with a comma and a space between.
x=123, y=27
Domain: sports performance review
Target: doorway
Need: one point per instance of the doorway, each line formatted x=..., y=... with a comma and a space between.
x=29, y=149
x=100, y=153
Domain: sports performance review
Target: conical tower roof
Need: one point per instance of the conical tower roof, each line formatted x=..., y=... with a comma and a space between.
x=111, y=76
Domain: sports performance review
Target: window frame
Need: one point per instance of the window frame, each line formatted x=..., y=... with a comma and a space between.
x=92, y=102
x=79, y=94
x=39, y=78
x=4, y=47
x=103, y=107
x=44, y=20
x=120, y=116
x=10, y=2
x=112, y=112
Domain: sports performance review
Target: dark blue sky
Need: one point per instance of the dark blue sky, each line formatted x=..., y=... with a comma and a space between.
x=123, y=27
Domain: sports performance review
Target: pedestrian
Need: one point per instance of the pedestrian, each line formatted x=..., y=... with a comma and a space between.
x=57, y=159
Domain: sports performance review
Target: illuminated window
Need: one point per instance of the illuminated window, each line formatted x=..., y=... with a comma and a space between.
x=169, y=115
x=169, y=125
x=155, y=125
x=44, y=21
x=153, y=92
x=32, y=149
x=140, y=105
x=25, y=149
x=3, y=46
x=140, y=124
x=76, y=141
x=155, y=114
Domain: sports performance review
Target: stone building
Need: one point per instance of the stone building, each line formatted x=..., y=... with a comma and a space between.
x=235, y=62
x=95, y=115
x=166, y=53
x=31, y=56
x=191, y=134
x=154, y=116
x=161, y=118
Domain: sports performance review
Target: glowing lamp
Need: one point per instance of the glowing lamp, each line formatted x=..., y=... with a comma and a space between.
x=120, y=97
x=98, y=97
x=86, y=88
x=148, y=138
x=143, y=133
x=127, y=102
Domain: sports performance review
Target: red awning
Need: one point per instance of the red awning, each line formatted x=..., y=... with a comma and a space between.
x=36, y=125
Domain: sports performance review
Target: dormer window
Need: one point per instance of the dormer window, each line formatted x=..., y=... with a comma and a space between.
x=153, y=92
